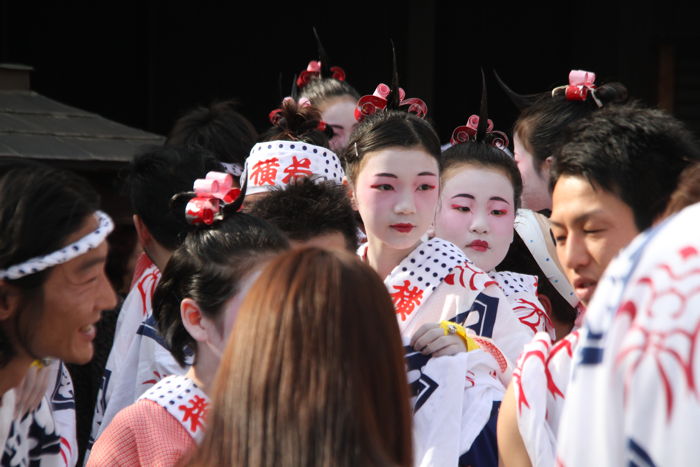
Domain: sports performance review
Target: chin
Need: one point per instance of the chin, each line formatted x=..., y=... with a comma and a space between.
x=80, y=357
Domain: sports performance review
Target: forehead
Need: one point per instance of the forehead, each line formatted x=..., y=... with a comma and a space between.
x=90, y=259
x=478, y=181
x=574, y=197
x=402, y=162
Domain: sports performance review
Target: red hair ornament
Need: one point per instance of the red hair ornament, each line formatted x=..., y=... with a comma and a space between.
x=313, y=70
x=581, y=82
x=212, y=192
x=468, y=132
x=371, y=104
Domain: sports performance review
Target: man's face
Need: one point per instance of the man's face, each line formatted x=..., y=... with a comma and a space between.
x=74, y=296
x=590, y=226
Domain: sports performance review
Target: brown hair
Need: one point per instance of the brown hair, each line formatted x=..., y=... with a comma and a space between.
x=314, y=371
x=687, y=192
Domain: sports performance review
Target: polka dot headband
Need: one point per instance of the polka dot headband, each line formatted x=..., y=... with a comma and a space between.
x=65, y=254
x=277, y=163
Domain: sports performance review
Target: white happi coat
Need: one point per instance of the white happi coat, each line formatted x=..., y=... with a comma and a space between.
x=634, y=397
x=139, y=357
x=453, y=395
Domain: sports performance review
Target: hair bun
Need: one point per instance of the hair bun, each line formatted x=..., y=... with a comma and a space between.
x=612, y=93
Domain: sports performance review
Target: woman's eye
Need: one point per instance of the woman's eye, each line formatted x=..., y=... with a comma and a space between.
x=499, y=212
x=426, y=187
x=461, y=208
x=382, y=187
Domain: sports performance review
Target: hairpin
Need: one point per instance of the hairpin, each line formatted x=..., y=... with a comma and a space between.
x=211, y=193
x=580, y=83
x=319, y=68
x=480, y=127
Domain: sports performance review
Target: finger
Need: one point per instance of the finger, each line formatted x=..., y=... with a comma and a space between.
x=452, y=349
x=443, y=342
x=421, y=332
x=428, y=338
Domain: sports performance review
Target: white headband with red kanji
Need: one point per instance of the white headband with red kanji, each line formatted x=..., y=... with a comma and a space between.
x=277, y=163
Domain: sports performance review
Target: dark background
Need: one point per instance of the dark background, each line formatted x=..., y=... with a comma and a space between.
x=145, y=64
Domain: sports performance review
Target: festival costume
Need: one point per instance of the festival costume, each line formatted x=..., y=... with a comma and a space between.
x=139, y=357
x=437, y=282
x=165, y=423
x=33, y=440
x=633, y=398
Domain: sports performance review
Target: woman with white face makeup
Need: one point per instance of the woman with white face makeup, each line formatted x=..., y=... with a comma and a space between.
x=394, y=174
x=194, y=305
x=479, y=199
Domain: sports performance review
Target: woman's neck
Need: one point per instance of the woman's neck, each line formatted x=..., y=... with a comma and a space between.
x=383, y=258
x=204, y=370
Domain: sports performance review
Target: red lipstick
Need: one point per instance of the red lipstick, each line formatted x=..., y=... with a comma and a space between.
x=403, y=228
x=479, y=245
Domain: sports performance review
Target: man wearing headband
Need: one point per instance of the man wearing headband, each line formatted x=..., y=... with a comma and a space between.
x=53, y=289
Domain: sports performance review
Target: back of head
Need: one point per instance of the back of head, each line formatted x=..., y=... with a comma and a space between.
x=314, y=372
x=295, y=121
x=633, y=152
x=541, y=125
x=40, y=207
x=218, y=128
x=687, y=192
x=482, y=154
x=155, y=176
x=209, y=267
x=321, y=90
x=385, y=129
x=306, y=209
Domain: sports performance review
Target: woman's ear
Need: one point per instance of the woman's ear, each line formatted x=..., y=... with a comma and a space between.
x=351, y=193
x=192, y=319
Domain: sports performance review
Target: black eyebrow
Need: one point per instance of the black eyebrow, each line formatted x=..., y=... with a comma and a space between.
x=464, y=195
x=427, y=173
x=384, y=174
x=498, y=198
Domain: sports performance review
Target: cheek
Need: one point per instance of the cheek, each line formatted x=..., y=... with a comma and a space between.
x=502, y=226
x=427, y=202
x=452, y=223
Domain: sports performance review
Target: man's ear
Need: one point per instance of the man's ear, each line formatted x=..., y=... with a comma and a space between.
x=192, y=319
x=351, y=193
x=144, y=235
x=9, y=300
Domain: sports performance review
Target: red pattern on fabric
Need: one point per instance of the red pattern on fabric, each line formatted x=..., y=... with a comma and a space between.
x=533, y=319
x=406, y=298
x=146, y=290
x=65, y=445
x=142, y=434
x=157, y=378
x=195, y=413
x=450, y=278
x=298, y=168
x=142, y=263
x=489, y=347
x=265, y=172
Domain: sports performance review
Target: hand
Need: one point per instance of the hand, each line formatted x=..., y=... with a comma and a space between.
x=430, y=339
x=31, y=390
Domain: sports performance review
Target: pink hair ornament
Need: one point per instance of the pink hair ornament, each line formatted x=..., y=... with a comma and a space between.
x=581, y=82
x=313, y=70
x=371, y=104
x=212, y=192
x=468, y=132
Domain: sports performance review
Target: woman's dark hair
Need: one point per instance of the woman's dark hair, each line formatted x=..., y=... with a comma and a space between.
x=295, y=122
x=208, y=268
x=483, y=155
x=386, y=129
x=320, y=90
x=218, y=128
x=541, y=125
x=40, y=207
x=314, y=371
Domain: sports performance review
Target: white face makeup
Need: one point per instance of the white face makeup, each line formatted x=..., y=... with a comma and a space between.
x=396, y=193
x=339, y=114
x=476, y=213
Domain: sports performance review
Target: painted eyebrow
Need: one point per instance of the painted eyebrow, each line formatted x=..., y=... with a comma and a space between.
x=427, y=174
x=464, y=195
x=498, y=198
x=385, y=174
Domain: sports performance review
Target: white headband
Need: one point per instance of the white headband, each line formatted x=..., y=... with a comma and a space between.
x=65, y=254
x=535, y=234
x=276, y=163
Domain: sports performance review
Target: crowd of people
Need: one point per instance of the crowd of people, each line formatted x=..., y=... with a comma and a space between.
x=343, y=289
